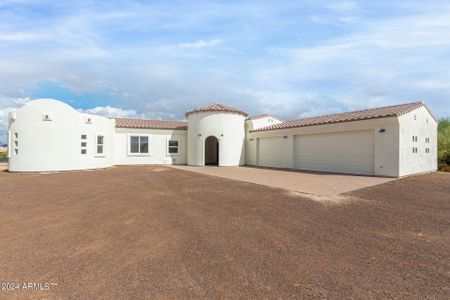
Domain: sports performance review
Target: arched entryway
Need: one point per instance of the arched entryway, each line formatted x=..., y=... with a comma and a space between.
x=212, y=151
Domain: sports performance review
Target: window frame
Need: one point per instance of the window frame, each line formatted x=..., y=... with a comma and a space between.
x=83, y=144
x=97, y=154
x=168, y=147
x=129, y=136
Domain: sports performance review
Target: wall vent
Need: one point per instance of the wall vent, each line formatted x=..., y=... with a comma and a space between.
x=46, y=117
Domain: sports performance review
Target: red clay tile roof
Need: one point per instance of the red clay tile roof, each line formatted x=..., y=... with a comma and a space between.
x=217, y=107
x=366, y=114
x=150, y=124
x=263, y=116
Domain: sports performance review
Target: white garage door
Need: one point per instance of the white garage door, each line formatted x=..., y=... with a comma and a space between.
x=345, y=152
x=269, y=152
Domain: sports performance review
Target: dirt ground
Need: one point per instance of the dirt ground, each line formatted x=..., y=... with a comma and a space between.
x=156, y=232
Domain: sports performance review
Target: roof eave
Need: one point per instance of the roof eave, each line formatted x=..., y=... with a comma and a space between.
x=135, y=127
x=319, y=124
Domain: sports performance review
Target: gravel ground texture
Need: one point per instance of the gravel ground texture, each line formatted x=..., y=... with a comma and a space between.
x=313, y=183
x=157, y=232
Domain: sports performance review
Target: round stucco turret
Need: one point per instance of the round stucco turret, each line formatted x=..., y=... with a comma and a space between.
x=216, y=135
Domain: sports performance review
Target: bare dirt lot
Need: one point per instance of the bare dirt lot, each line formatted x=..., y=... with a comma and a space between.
x=156, y=232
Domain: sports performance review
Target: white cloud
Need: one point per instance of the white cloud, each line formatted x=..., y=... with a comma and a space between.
x=113, y=112
x=288, y=105
x=133, y=53
x=200, y=44
x=390, y=61
x=432, y=84
x=342, y=6
x=18, y=36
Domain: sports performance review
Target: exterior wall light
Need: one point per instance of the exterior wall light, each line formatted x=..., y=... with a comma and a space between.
x=251, y=140
x=285, y=137
x=199, y=134
x=382, y=130
x=221, y=134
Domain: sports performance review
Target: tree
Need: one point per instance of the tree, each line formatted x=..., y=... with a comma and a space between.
x=444, y=141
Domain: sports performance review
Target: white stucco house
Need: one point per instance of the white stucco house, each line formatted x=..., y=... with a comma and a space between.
x=49, y=135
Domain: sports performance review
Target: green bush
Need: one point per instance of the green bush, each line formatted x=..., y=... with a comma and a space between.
x=444, y=141
x=3, y=155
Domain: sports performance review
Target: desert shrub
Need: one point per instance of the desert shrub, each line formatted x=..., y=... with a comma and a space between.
x=444, y=141
x=444, y=168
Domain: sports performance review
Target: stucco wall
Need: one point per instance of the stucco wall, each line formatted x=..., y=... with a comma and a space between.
x=55, y=144
x=386, y=152
x=251, y=147
x=158, y=150
x=421, y=124
x=228, y=128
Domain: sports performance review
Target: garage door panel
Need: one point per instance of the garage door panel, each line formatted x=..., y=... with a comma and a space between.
x=269, y=152
x=346, y=152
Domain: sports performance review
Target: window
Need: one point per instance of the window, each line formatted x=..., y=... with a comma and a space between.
x=414, y=138
x=427, y=150
x=427, y=140
x=138, y=144
x=83, y=143
x=100, y=144
x=414, y=150
x=415, y=118
x=173, y=147
x=16, y=143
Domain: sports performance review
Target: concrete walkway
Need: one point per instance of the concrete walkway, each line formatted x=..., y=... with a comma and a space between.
x=320, y=184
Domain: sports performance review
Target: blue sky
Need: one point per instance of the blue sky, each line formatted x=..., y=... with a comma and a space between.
x=156, y=59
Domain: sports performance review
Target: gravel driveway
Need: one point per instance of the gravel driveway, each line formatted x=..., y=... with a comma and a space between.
x=157, y=232
x=313, y=183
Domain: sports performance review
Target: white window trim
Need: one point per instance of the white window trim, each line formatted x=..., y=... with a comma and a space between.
x=129, y=135
x=167, y=147
x=96, y=144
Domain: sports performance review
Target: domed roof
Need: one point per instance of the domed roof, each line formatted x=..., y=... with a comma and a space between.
x=219, y=108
